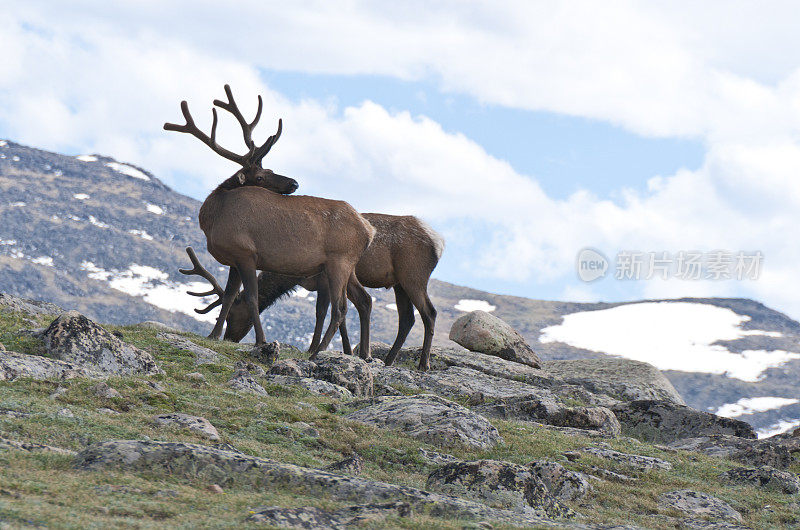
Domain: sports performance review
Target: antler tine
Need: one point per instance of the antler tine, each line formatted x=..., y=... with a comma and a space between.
x=262, y=151
x=190, y=128
x=201, y=271
x=233, y=108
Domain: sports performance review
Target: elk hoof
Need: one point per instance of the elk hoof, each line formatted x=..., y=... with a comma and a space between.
x=424, y=367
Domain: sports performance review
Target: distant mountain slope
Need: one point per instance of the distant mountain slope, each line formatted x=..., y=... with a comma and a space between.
x=107, y=238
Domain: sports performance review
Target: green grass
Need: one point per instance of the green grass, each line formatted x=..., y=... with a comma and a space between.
x=43, y=489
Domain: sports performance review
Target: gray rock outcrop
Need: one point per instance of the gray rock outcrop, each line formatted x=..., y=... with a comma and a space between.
x=764, y=477
x=663, y=422
x=218, y=466
x=201, y=354
x=769, y=451
x=196, y=424
x=310, y=517
x=430, y=418
x=74, y=338
x=499, y=484
x=621, y=378
x=482, y=332
x=640, y=462
x=695, y=503
x=16, y=365
x=243, y=381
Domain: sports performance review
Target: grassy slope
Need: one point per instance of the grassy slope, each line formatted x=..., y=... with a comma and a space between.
x=44, y=489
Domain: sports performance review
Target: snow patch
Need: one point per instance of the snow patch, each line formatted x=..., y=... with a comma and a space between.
x=753, y=405
x=125, y=169
x=43, y=260
x=777, y=428
x=142, y=234
x=99, y=224
x=154, y=287
x=670, y=336
x=152, y=208
x=468, y=305
x=58, y=172
x=15, y=158
x=3, y=143
x=86, y=158
x=301, y=293
x=18, y=204
x=73, y=217
x=80, y=196
x=8, y=242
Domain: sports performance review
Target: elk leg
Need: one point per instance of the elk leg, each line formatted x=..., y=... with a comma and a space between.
x=405, y=315
x=363, y=302
x=323, y=301
x=231, y=290
x=428, y=314
x=250, y=279
x=346, y=349
x=337, y=275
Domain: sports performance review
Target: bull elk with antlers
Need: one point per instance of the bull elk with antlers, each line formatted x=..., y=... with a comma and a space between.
x=402, y=255
x=251, y=223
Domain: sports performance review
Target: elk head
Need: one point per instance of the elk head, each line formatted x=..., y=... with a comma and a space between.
x=251, y=174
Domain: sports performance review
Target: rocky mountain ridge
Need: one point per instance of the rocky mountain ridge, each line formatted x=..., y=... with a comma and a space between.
x=107, y=238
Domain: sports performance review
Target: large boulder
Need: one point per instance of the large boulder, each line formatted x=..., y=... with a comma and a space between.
x=764, y=477
x=33, y=308
x=773, y=451
x=430, y=418
x=498, y=484
x=698, y=504
x=223, y=467
x=481, y=332
x=317, y=386
x=551, y=412
x=16, y=365
x=74, y=338
x=664, y=421
x=243, y=381
x=344, y=370
x=564, y=484
x=621, y=378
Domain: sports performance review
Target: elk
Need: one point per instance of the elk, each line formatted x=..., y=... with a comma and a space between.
x=402, y=255
x=252, y=223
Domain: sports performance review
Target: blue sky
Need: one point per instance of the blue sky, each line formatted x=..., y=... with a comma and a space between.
x=523, y=132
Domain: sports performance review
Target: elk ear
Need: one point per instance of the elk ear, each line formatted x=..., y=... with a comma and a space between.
x=242, y=178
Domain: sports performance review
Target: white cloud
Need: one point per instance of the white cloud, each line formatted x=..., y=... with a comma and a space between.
x=669, y=70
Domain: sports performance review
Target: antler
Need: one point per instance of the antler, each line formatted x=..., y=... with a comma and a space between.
x=254, y=155
x=199, y=270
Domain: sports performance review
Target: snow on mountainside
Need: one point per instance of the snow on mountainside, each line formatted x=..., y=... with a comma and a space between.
x=107, y=238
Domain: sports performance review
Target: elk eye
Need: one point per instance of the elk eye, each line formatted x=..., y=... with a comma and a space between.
x=259, y=178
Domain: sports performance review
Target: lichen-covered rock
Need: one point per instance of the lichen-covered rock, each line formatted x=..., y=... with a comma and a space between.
x=764, y=477
x=317, y=386
x=640, y=462
x=74, y=338
x=30, y=307
x=318, y=519
x=16, y=365
x=202, y=355
x=293, y=368
x=352, y=465
x=624, y=379
x=695, y=503
x=244, y=382
x=430, y=418
x=16, y=445
x=266, y=353
x=498, y=484
x=549, y=411
x=767, y=452
x=344, y=370
x=196, y=424
x=252, y=368
x=564, y=484
x=663, y=421
x=481, y=332
x=226, y=468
